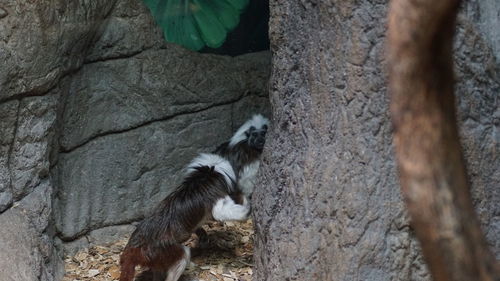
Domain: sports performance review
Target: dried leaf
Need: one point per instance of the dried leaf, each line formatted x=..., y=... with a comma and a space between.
x=228, y=256
x=93, y=273
x=114, y=272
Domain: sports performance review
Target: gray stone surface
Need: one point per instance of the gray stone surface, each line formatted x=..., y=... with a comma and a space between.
x=19, y=258
x=121, y=94
x=478, y=99
x=29, y=157
x=37, y=209
x=485, y=14
x=101, y=236
x=37, y=206
x=29, y=131
x=26, y=249
x=41, y=42
x=8, y=120
x=329, y=206
x=129, y=30
x=110, y=234
x=72, y=247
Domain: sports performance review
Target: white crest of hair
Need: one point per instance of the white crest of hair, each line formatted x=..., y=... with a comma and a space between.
x=225, y=209
x=257, y=121
x=221, y=166
x=247, y=177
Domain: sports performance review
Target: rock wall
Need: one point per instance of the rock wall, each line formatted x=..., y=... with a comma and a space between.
x=39, y=44
x=134, y=118
x=477, y=48
x=98, y=115
x=123, y=152
x=485, y=16
x=329, y=206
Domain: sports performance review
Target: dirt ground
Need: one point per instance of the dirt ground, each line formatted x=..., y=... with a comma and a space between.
x=227, y=257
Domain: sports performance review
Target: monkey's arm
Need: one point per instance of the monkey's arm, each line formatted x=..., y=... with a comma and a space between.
x=225, y=209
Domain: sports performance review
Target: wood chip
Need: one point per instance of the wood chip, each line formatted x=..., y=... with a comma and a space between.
x=93, y=273
x=227, y=257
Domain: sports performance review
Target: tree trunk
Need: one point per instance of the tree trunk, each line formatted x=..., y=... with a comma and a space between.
x=432, y=172
x=328, y=206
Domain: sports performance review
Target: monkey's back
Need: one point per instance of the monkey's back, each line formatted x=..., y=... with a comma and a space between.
x=239, y=155
x=182, y=211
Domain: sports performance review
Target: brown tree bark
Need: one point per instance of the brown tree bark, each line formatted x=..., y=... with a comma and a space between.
x=432, y=172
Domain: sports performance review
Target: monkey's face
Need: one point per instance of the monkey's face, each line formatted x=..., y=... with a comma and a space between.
x=257, y=137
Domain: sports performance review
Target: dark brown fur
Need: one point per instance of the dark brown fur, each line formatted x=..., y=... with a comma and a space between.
x=239, y=155
x=156, y=243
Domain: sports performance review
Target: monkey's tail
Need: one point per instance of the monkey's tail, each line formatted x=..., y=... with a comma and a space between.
x=150, y=275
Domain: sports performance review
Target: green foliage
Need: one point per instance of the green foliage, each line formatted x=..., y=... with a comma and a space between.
x=195, y=24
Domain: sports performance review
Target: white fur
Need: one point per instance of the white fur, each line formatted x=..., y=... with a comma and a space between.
x=247, y=177
x=175, y=272
x=225, y=209
x=257, y=121
x=221, y=165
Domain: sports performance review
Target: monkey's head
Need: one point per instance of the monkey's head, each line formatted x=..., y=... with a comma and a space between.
x=256, y=138
x=253, y=132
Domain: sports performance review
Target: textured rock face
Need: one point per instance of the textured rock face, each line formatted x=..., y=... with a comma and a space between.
x=136, y=115
x=478, y=92
x=41, y=43
x=329, y=203
x=34, y=55
x=8, y=120
x=17, y=263
x=121, y=94
x=486, y=17
x=97, y=118
x=26, y=250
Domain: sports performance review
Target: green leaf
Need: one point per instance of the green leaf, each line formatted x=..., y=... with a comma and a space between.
x=211, y=30
x=195, y=24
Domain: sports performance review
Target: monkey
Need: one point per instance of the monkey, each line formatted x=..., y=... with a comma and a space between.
x=243, y=151
x=207, y=191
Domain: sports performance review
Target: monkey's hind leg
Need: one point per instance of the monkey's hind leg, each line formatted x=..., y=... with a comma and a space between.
x=128, y=261
x=176, y=270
